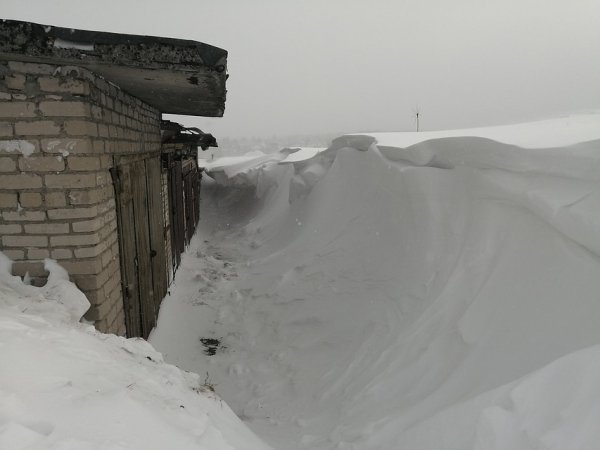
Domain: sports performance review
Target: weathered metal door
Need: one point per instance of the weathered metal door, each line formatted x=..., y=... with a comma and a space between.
x=141, y=243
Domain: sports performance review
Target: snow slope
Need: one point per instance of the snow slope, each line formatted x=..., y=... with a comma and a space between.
x=64, y=386
x=400, y=291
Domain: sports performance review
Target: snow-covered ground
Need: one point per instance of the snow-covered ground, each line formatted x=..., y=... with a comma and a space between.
x=64, y=386
x=415, y=291
x=396, y=290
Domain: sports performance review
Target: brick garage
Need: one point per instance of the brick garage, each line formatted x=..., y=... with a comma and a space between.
x=66, y=133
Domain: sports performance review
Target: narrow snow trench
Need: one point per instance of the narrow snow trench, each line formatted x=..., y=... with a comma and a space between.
x=220, y=320
x=226, y=319
x=357, y=301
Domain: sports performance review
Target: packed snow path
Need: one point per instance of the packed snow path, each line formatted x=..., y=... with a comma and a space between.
x=402, y=291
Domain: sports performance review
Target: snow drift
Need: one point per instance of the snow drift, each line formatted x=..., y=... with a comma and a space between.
x=64, y=386
x=422, y=291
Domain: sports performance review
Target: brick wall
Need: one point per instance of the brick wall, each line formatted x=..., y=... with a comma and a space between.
x=61, y=128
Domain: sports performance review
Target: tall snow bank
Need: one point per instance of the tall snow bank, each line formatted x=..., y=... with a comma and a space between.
x=556, y=407
x=416, y=293
x=276, y=180
x=65, y=386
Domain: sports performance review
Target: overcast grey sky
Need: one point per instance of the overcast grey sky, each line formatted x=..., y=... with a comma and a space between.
x=303, y=67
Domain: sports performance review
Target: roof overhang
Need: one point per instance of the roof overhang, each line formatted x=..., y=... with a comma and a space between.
x=173, y=75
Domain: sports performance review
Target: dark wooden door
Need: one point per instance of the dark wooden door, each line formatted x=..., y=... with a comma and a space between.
x=122, y=178
x=197, y=179
x=177, y=215
x=191, y=189
x=156, y=224
x=189, y=207
x=141, y=243
x=142, y=239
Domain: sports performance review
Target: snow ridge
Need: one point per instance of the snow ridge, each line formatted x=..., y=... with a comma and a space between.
x=402, y=292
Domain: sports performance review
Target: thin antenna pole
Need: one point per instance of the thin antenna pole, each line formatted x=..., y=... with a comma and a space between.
x=417, y=113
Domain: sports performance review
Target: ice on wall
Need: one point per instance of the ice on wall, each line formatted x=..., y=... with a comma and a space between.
x=24, y=147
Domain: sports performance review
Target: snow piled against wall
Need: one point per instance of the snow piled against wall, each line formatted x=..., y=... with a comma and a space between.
x=418, y=292
x=64, y=386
